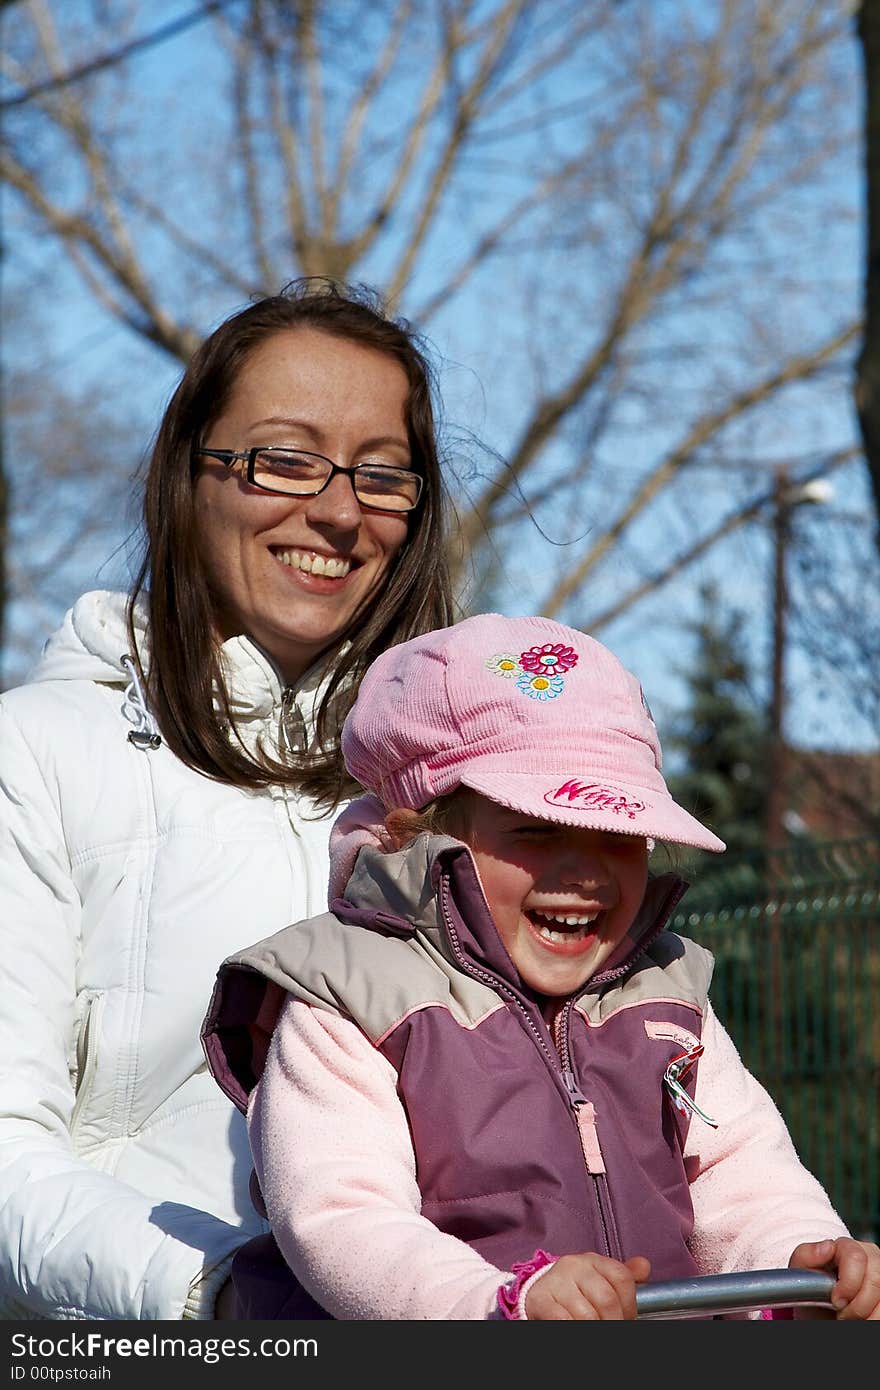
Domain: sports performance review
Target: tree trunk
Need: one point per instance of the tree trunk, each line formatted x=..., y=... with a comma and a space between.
x=867, y=388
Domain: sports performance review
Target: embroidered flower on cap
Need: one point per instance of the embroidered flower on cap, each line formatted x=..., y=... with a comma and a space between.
x=539, y=671
x=540, y=687
x=551, y=659
x=504, y=665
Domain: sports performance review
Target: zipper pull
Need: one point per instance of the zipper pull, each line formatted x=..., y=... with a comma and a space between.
x=585, y=1114
x=575, y=1095
x=291, y=724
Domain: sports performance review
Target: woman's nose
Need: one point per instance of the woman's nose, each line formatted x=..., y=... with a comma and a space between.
x=337, y=505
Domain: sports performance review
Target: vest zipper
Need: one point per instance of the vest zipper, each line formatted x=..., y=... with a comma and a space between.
x=583, y=1111
x=585, y=1117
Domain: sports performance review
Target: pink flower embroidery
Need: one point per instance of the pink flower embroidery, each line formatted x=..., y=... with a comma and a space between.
x=551, y=659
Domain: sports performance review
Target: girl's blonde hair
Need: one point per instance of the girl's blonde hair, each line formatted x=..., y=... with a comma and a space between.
x=447, y=815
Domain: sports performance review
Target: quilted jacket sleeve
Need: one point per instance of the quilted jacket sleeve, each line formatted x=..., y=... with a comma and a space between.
x=74, y=1241
x=336, y=1167
x=754, y=1201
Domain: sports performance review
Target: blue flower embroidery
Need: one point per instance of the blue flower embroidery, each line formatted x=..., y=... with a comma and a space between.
x=540, y=687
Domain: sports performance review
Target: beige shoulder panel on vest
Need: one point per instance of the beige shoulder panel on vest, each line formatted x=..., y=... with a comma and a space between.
x=367, y=976
x=673, y=967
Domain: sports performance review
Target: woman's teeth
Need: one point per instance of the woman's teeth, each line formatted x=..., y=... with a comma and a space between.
x=577, y=926
x=330, y=566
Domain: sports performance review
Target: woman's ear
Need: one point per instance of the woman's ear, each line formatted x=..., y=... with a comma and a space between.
x=402, y=825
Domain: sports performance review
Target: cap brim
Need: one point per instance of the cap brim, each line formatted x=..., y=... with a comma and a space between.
x=595, y=804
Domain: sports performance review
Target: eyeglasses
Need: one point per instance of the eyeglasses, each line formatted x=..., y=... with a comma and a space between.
x=295, y=473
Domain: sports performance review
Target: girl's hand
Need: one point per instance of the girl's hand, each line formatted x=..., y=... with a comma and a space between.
x=857, y=1266
x=587, y=1288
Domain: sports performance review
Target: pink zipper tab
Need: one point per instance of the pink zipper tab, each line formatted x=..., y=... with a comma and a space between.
x=585, y=1113
x=586, y=1118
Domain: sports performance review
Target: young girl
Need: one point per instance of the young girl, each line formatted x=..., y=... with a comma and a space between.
x=489, y=1083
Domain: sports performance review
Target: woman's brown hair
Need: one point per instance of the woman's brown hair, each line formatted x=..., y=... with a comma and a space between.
x=183, y=674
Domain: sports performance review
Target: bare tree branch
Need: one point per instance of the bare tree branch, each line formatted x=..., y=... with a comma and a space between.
x=309, y=45
x=360, y=107
x=733, y=522
x=417, y=134
x=79, y=235
x=605, y=198
x=464, y=116
x=244, y=59
x=688, y=451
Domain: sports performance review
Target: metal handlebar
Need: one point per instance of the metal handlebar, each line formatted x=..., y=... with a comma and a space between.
x=735, y=1293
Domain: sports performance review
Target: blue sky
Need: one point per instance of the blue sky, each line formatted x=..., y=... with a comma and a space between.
x=484, y=359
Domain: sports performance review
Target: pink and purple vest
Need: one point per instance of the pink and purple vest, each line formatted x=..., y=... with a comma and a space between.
x=525, y=1138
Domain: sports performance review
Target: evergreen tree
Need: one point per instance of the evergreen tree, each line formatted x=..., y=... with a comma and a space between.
x=722, y=734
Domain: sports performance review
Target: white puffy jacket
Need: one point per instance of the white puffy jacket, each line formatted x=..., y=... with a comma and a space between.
x=125, y=879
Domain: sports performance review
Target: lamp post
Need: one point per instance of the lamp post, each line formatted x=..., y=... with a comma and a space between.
x=786, y=497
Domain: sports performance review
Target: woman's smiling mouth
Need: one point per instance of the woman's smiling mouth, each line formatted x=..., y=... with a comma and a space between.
x=310, y=562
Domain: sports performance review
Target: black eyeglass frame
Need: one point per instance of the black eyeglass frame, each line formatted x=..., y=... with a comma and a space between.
x=230, y=457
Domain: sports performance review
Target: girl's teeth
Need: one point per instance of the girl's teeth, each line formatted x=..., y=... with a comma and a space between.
x=580, y=921
x=578, y=926
x=549, y=935
x=329, y=566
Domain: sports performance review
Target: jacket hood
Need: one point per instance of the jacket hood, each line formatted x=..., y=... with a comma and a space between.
x=91, y=641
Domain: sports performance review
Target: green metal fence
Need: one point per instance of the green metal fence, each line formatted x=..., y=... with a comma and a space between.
x=797, y=984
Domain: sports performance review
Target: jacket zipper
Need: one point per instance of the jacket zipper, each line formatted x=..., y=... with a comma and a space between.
x=582, y=1110
x=585, y=1116
x=292, y=736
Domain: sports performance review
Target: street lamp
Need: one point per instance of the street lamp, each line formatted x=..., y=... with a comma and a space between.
x=786, y=497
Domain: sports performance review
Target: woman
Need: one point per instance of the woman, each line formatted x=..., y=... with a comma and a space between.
x=167, y=779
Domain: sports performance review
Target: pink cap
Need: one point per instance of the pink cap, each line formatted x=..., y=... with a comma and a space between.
x=532, y=714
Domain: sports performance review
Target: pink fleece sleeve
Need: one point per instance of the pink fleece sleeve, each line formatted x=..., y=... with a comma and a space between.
x=336, y=1167
x=754, y=1201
